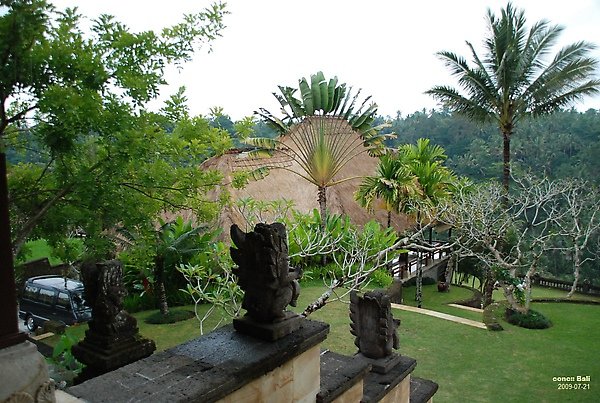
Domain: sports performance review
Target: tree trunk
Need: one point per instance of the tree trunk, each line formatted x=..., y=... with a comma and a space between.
x=452, y=262
x=389, y=219
x=576, y=264
x=488, y=288
x=322, y=199
x=161, y=293
x=506, y=134
x=9, y=327
x=419, y=288
x=514, y=304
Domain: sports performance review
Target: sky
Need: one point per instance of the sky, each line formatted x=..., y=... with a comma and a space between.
x=385, y=47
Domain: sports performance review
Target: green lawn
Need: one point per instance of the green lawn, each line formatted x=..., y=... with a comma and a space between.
x=470, y=364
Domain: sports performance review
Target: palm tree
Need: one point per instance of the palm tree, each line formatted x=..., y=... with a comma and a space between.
x=325, y=131
x=394, y=184
x=176, y=241
x=426, y=162
x=513, y=80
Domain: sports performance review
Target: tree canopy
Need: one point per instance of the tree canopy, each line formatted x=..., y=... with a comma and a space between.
x=77, y=102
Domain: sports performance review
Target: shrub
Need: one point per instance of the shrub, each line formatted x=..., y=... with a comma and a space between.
x=382, y=278
x=135, y=302
x=475, y=300
x=530, y=320
x=173, y=316
x=326, y=272
x=413, y=282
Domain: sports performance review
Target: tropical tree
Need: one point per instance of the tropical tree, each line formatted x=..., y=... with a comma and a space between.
x=425, y=161
x=76, y=100
x=394, y=184
x=513, y=79
x=176, y=242
x=326, y=130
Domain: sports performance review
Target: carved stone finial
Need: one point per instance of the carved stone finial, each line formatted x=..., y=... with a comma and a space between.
x=264, y=274
x=373, y=325
x=112, y=339
x=263, y=271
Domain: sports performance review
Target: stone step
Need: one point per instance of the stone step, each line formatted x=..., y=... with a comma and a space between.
x=341, y=378
x=422, y=390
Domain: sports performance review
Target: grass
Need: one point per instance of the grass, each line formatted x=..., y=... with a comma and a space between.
x=470, y=364
x=39, y=249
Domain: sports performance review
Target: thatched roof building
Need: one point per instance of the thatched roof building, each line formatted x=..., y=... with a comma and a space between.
x=283, y=182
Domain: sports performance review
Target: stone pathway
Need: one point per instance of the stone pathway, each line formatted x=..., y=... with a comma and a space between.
x=466, y=308
x=440, y=315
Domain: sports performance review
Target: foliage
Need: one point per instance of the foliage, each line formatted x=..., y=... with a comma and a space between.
x=530, y=320
x=325, y=98
x=513, y=79
x=382, y=278
x=326, y=131
x=411, y=282
x=136, y=302
x=393, y=183
x=511, y=242
x=76, y=101
x=211, y=281
x=63, y=357
x=174, y=315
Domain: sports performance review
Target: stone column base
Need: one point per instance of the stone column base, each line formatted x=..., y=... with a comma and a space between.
x=24, y=375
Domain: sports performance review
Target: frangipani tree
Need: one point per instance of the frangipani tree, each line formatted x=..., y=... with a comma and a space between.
x=325, y=128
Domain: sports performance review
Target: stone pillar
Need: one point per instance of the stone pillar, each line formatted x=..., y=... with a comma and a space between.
x=25, y=375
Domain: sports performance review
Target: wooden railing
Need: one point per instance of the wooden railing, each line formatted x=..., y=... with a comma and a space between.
x=583, y=287
x=407, y=263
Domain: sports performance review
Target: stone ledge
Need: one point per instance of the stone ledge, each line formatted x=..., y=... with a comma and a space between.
x=339, y=373
x=204, y=369
x=376, y=386
x=422, y=390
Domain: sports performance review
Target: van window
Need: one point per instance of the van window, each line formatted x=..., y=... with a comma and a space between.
x=63, y=300
x=46, y=296
x=30, y=292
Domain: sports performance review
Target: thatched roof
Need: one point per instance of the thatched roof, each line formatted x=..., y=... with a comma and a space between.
x=283, y=183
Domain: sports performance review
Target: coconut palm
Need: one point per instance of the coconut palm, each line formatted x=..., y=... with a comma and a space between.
x=513, y=79
x=325, y=129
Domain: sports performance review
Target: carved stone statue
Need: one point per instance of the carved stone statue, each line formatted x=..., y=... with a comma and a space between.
x=264, y=274
x=373, y=326
x=112, y=339
x=104, y=292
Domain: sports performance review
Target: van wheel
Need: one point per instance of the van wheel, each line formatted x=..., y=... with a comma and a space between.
x=31, y=326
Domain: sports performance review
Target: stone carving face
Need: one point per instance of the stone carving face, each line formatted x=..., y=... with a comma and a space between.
x=373, y=325
x=263, y=271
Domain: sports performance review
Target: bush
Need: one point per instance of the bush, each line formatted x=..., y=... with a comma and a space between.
x=173, y=316
x=475, y=301
x=326, y=272
x=134, y=302
x=413, y=282
x=382, y=278
x=530, y=320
